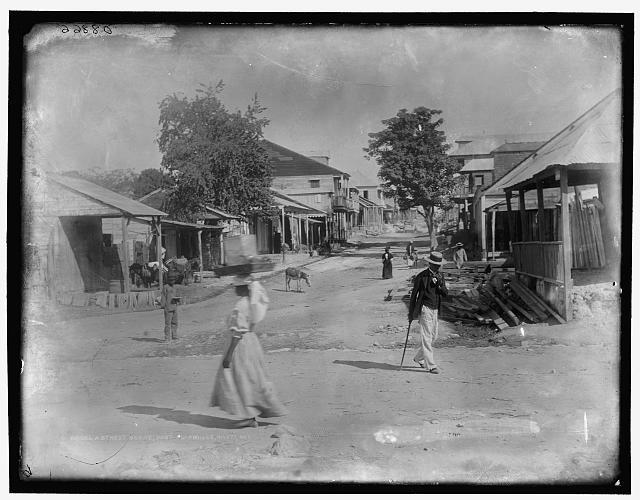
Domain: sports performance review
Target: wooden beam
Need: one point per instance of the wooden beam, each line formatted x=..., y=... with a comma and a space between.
x=541, y=224
x=200, y=249
x=566, y=243
x=493, y=235
x=282, y=240
x=125, y=256
x=523, y=216
x=510, y=215
x=159, y=251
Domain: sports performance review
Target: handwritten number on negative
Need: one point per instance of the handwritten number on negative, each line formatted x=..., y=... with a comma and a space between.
x=95, y=29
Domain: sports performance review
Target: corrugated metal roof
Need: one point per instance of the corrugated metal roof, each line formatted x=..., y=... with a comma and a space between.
x=287, y=163
x=220, y=214
x=485, y=144
x=518, y=147
x=368, y=203
x=551, y=197
x=106, y=196
x=478, y=164
x=594, y=137
x=189, y=225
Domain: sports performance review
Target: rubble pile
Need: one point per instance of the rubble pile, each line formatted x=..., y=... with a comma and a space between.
x=481, y=295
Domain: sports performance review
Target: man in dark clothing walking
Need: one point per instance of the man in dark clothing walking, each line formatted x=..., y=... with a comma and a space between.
x=428, y=288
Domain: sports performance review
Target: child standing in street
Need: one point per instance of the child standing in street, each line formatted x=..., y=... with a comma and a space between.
x=169, y=302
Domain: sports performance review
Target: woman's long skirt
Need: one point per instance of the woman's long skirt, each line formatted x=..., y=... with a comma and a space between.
x=387, y=270
x=243, y=389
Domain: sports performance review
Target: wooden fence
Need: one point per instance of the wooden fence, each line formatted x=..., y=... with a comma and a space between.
x=540, y=259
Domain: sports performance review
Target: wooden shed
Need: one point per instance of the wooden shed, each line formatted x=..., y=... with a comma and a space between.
x=588, y=152
x=68, y=247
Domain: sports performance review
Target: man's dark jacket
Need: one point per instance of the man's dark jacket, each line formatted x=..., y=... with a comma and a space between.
x=426, y=293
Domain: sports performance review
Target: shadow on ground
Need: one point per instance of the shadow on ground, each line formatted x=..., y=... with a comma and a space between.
x=372, y=365
x=185, y=417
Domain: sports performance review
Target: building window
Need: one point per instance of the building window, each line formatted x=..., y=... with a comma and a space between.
x=478, y=180
x=379, y=194
x=365, y=194
x=314, y=183
x=318, y=198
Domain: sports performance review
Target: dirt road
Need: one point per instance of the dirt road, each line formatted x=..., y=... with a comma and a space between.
x=103, y=398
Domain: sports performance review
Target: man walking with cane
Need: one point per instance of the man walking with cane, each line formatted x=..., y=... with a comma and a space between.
x=428, y=288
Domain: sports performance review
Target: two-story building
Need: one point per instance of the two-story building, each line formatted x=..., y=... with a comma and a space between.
x=485, y=159
x=315, y=184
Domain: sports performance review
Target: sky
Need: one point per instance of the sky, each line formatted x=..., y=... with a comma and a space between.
x=92, y=100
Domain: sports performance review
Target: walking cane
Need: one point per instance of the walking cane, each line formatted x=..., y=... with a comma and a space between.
x=405, y=345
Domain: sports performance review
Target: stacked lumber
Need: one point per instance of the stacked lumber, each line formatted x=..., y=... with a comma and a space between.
x=587, y=246
x=499, y=300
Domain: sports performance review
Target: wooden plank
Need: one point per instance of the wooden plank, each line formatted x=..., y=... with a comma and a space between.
x=511, y=220
x=535, y=297
x=603, y=255
x=523, y=216
x=520, y=290
x=125, y=256
x=522, y=310
x=504, y=307
x=566, y=240
x=541, y=222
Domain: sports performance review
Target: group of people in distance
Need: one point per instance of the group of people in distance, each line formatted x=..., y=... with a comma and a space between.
x=411, y=256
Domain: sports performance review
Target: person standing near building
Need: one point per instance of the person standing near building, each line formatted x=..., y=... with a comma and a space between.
x=428, y=288
x=169, y=302
x=241, y=386
x=459, y=255
x=387, y=267
x=412, y=255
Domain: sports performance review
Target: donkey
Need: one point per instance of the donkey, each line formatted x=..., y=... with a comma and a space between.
x=291, y=273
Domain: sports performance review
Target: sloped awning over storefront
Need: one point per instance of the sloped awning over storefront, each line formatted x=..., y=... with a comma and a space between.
x=590, y=143
x=294, y=206
x=99, y=200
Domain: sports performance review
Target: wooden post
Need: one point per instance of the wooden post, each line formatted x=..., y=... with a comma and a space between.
x=466, y=215
x=125, y=256
x=306, y=227
x=326, y=226
x=200, y=249
x=283, y=232
x=523, y=216
x=541, y=224
x=222, y=260
x=159, y=250
x=566, y=243
x=483, y=228
x=493, y=235
x=510, y=219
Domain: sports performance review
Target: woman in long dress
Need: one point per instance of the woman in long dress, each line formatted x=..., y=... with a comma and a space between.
x=387, y=267
x=242, y=388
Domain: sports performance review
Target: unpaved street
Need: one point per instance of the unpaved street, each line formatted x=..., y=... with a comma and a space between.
x=103, y=398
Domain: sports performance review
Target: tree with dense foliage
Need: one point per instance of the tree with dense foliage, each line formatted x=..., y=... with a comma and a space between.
x=214, y=156
x=149, y=180
x=414, y=166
